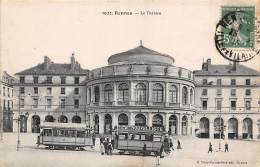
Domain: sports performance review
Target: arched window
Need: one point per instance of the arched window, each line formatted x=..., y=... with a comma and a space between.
x=184, y=125
x=123, y=92
x=184, y=95
x=76, y=119
x=36, y=124
x=157, y=93
x=97, y=94
x=140, y=93
x=191, y=96
x=63, y=119
x=49, y=118
x=173, y=94
x=108, y=93
x=122, y=119
x=157, y=120
x=140, y=120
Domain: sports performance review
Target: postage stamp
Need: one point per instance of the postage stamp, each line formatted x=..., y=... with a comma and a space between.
x=237, y=34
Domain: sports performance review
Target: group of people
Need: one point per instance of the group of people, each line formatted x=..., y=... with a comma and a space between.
x=106, y=145
x=211, y=149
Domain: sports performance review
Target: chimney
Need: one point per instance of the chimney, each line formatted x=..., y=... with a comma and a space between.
x=209, y=61
x=234, y=67
x=72, y=61
x=47, y=62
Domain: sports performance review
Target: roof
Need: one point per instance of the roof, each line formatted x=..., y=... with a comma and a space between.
x=54, y=68
x=141, y=55
x=227, y=70
x=64, y=125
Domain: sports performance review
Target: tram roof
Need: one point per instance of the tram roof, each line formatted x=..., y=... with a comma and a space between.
x=64, y=125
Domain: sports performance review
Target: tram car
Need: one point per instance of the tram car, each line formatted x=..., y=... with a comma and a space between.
x=133, y=139
x=71, y=136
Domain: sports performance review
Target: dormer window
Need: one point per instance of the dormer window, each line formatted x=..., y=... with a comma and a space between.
x=22, y=79
x=49, y=80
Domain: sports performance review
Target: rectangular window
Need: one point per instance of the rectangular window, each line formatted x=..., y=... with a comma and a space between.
x=248, y=92
x=219, y=104
x=49, y=80
x=22, y=90
x=233, y=82
x=35, y=90
x=21, y=103
x=219, y=82
x=63, y=80
x=76, y=80
x=49, y=103
x=3, y=91
x=35, y=80
x=62, y=103
x=233, y=105
x=248, y=82
x=233, y=92
x=248, y=105
x=204, y=82
x=219, y=91
x=204, y=92
x=22, y=80
x=35, y=103
x=8, y=92
x=76, y=103
x=204, y=104
x=76, y=91
x=62, y=91
x=49, y=91
x=89, y=95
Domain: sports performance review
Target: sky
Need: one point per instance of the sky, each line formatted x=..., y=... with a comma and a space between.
x=185, y=30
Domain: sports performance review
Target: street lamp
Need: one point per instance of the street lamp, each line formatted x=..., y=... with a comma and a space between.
x=18, y=134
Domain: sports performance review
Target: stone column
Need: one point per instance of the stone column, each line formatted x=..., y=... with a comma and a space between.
x=131, y=119
x=91, y=121
x=240, y=129
x=29, y=124
x=225, y=128
x=179, y=125
x=255, y=129
x=166, y=92
x=101, y=95
x=115, y=92
x=149, y=119
x=149, y=89
x=115, y=120
x=180, y=94
x=101, y=123
x=211, y=129
x=131, y=93
x=166, y=122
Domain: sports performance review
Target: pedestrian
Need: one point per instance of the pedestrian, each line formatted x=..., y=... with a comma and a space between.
x=162, y=154
x=157, y=159
x=144, y=150
x=226, y=147
x=210, y=147
x=179, y=144
x=93, y=139
x=102, y=148
x=105, y=143
x=110, y=148
x=113, y=143
x=102, y=138
x=171, y=144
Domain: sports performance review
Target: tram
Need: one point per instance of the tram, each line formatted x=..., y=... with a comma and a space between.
x=137, y=139
x=72, y=136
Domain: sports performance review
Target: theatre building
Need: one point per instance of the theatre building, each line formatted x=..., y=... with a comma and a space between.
x=228, y=100
x=141, y=87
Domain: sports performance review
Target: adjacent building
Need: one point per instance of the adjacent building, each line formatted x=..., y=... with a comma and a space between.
x=228, y=100
x=141, y=87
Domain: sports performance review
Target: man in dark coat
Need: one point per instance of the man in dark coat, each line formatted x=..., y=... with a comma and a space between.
x=226, y=148
x=210, y=147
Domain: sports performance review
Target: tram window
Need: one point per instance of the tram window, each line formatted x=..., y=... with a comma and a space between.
x=131, y=136
x=62, y=133
x=149, y=137
x=66, y=133
x=143, y=137
x=47, y=132
x=55, y=132
x=72, y=133
x=137, y=137
x=80, y=133
x=122, y=137
x=157, y=138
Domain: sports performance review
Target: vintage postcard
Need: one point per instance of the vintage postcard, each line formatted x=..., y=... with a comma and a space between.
x=134, y=83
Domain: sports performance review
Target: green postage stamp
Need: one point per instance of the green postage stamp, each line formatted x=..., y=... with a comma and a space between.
x=237, y=33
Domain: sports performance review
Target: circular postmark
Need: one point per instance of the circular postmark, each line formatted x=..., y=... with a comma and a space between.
x=237, y=36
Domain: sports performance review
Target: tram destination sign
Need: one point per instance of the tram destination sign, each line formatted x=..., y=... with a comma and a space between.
x=140, y=128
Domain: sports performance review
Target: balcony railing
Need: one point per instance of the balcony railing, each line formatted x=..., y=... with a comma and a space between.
x=51, y=107
x=228, y=109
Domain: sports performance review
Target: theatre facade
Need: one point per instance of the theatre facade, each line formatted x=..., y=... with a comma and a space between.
x=140, y=87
